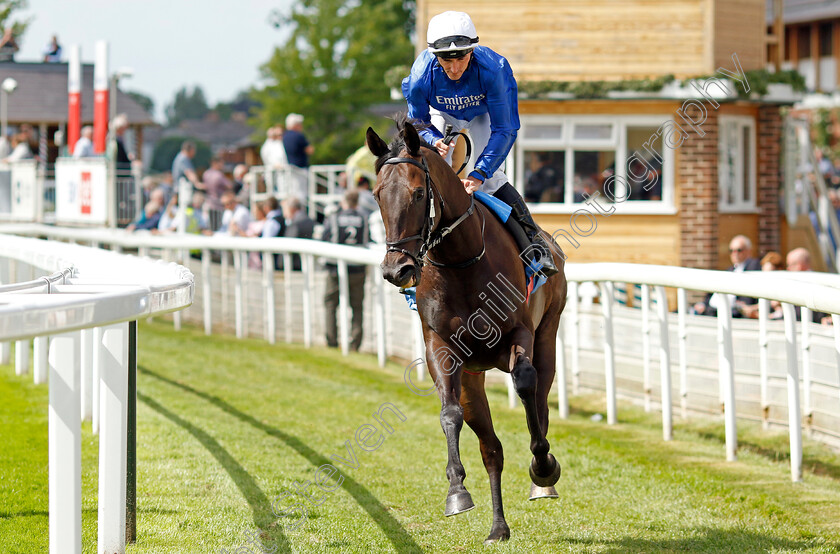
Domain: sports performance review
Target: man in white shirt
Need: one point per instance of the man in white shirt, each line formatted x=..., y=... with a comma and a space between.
x=84, y=146
x=236, y=218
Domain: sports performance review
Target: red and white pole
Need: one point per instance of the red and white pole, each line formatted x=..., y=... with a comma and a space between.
x=74, y=97
x=100, y=97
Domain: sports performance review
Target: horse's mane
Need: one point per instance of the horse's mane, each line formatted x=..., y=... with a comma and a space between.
x=401, y=119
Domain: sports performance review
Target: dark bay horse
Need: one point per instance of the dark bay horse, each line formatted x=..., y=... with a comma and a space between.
x=471, y=300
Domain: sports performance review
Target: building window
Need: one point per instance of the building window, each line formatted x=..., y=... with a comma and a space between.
x=736, y=163
x=562, y=161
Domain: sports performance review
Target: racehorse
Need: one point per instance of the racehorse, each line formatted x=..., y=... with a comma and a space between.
x=436, y=230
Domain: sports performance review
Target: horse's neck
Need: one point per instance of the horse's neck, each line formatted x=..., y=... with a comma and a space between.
x=466, y=239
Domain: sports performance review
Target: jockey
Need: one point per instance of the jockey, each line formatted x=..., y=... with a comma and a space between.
x=456, y=81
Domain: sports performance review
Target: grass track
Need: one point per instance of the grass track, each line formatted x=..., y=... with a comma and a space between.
x=225, y=426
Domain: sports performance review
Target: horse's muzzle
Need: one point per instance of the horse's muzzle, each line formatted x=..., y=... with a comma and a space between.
x=400, y=270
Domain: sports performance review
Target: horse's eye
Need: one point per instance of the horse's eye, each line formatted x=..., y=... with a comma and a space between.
x=419, y=193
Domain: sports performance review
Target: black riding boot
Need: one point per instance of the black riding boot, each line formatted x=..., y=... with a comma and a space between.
x=511, y=197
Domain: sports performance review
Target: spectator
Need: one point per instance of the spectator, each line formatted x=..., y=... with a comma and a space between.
x=216, y=183
x=740, y=254
x=240, y=185
x=152, y=212
x=367, y=203
x=182, y=167
x=8, y=45
x=275, y=223
x=257, y=221
x=348, y=226
x=298, y=151
x=772, y=261
x=272, y=153
x=20, y=148
x=298, y=225
x=84, y=146
x=195, y=221
x=123, y=158
x=236, y=219
x=52, y=52
x=544, y=178
x=799, y=259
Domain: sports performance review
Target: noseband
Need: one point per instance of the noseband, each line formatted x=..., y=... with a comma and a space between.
x=428, y=236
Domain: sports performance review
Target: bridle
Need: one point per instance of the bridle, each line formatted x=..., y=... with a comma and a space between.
x=428, y=236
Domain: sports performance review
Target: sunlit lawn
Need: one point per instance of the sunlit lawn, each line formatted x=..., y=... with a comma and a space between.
x=226, y=426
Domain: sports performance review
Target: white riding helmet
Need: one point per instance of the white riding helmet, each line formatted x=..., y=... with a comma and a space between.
x=451, y=34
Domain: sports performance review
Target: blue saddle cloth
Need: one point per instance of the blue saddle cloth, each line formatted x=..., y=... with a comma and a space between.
x=534, y=278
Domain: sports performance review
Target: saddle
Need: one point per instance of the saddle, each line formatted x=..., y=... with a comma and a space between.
x=502, y=211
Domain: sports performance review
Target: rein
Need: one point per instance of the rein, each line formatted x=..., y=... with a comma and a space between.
x=429, y=237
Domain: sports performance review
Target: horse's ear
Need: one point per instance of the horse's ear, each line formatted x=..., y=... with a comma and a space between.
x=412, y=139
x=375, y=144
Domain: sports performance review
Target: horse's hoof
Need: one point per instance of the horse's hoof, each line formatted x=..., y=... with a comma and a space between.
x=497, y=535
x=542, y=492
x=458, y=503
x=545, y=480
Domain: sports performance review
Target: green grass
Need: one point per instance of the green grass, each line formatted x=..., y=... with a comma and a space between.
x=224, y=426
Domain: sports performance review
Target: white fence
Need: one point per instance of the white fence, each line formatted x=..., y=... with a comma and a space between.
x=741, y=365
x=82, y=316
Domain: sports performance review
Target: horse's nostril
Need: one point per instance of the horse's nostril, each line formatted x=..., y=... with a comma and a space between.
x=405, y=273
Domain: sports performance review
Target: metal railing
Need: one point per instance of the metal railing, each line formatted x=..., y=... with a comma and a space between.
x=807, y=193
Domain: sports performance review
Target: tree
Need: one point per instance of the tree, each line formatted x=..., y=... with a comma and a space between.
x=187, y=105
x=242, y=103
x=7, y=8
x=145, y=101
x=331, y=69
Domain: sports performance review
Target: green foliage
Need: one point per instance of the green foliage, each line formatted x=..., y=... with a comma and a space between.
x=330, y=69
x=758, y=80
x=242, y=103
x=166, y=149
x=592, y=89
x=7, y=8
x=187, y=105
x=395, y=75
x=145, y=101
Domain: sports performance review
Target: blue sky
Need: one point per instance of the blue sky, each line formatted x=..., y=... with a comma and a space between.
x=218, y=44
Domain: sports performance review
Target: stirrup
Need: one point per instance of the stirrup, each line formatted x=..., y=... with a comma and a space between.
x=546, y=259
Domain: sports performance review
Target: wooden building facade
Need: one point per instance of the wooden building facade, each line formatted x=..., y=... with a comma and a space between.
x=665, y=191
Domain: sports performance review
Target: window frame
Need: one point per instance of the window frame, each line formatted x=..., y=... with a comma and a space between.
x=617, y=142
x=748, y=182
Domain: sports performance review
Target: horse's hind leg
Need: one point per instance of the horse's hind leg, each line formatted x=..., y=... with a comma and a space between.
x=477, y=416
x=544, y=362
x=544, y=470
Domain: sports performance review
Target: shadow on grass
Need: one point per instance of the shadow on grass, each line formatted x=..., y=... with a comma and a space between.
x=246, y=484
x=705, y=539
x=25, y=513
x=397, y=535
x=817, y=467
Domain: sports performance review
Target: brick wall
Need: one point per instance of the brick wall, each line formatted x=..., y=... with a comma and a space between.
x=769, y=146
x=698, y=190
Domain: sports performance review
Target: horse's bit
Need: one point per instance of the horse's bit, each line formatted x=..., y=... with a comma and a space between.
x=428, y=237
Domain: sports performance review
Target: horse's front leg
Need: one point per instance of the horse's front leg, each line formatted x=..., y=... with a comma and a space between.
x=544, y=470
x=445, y=369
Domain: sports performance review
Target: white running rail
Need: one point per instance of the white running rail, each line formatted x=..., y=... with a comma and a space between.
x=79, y=316
x=586, y=332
